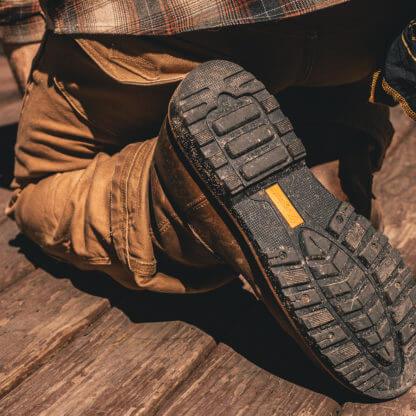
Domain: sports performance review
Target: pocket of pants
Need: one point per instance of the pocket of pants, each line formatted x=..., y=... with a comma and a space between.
x=120, y=105
x=136, y=60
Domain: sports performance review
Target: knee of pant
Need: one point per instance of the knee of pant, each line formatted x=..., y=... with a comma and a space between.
x=27, y=209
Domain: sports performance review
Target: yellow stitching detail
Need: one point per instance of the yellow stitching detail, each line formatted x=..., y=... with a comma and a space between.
x=412, y=24
x=285, y=207
x=399, y=99
x=406, y=45
x=376, y=77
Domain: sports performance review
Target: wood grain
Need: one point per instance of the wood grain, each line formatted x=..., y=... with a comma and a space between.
x=403, y=406
x=395, y=187
x=115, y=368
x=229, y=384
x=13, y=263
x=38, y=315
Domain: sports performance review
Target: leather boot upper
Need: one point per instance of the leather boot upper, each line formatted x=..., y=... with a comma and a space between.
x=192, y=206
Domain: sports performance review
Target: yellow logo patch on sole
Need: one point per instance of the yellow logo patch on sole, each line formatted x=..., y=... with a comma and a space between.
x=285, y=207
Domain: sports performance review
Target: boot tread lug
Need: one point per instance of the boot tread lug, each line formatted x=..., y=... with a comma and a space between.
x=345, y=289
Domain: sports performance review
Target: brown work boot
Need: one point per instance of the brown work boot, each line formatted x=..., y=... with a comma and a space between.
x=234, y=170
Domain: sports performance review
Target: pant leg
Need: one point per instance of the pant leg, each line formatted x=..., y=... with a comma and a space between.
x=83, y=157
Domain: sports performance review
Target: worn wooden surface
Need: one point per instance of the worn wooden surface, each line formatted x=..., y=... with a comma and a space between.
x=13, y=263
x=403, y=406
x=76, y=343
x=115, y=367
x=229, y=384
x=37, y=316
x=395, y=188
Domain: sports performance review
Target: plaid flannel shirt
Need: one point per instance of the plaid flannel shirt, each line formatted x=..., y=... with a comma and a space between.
x=20, y=20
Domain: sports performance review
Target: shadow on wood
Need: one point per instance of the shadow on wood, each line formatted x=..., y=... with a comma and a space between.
x=229, y=314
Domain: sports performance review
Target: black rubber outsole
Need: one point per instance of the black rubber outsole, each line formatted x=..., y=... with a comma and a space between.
x=343, y=287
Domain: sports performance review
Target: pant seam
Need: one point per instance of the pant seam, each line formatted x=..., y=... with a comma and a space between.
x=122, y=233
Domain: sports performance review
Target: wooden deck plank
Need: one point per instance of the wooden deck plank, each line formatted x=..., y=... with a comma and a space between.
x=257, y=369
x=395, y=187
x=229, y=384
x=13, y=263
x=38, y=315
x=116, y=368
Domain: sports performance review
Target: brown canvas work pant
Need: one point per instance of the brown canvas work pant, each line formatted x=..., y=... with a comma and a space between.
x=92, y=113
